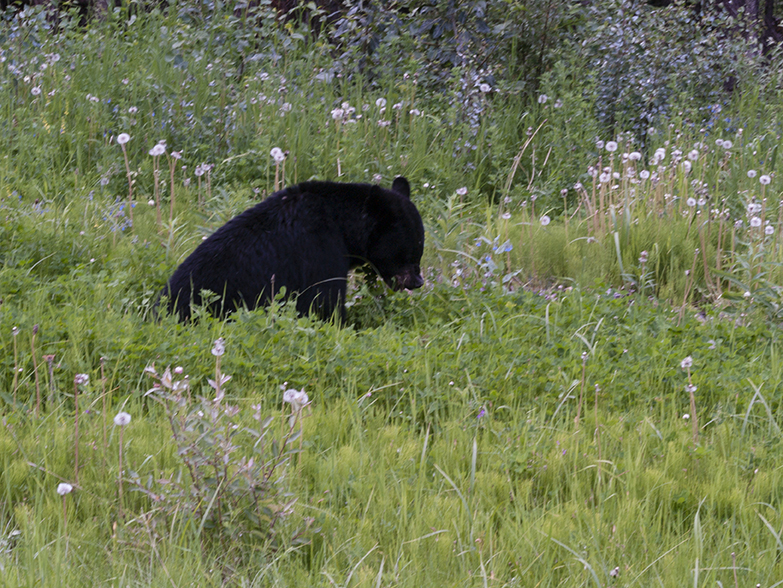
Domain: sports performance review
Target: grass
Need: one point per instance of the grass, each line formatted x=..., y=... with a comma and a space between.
x=521, y=420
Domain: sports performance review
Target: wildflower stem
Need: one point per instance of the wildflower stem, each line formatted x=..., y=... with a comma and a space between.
x=65, y=524
x=35, y=372
x=76, y=432
x=156, y=183
x=16, y=367
x=119, y=475
x=103, y=409
x=130, y=185
x=172, y=168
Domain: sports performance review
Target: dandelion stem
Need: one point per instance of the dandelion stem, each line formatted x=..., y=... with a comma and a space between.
x=35, y=372
x=130, y=184
x=172, y=167
x=65, y=524
x=156, y=182
x=119, y=481
x=15, y=332
x=76, y=432
x=598, y=433
x=103, y=409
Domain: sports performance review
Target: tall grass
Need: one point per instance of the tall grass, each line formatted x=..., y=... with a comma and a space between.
x=521, y=420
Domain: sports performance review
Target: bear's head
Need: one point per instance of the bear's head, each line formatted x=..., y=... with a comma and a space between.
x=397, y=243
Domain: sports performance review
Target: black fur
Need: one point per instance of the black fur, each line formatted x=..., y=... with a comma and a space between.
x=305, y=239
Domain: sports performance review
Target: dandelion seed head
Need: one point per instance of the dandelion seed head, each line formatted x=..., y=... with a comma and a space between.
x=543, y=98
x=64, y=488
x=296, y=398
x=123, y=138
x=686, y=363
x=122, y=419
x=755, y=222
x=545, y=220
x=765, y=180
x=611, y=146
x=751, y=173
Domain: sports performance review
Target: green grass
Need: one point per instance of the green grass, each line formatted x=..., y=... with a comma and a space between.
x=519, y=421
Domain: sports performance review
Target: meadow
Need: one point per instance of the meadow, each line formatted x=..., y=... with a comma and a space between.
x=586, y=391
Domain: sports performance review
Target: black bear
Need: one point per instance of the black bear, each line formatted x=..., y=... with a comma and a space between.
x=305, y=238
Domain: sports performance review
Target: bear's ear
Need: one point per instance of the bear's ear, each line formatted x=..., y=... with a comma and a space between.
x=401, y=186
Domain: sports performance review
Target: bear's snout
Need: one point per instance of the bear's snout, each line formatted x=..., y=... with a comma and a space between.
x=408, y=280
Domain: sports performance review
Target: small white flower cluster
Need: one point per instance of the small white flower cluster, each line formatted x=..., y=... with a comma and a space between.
x=219, y=347
x=203, y=168
x=278, y=155
x=345, y=114
x=298, y=399
x=658, y=156
x=158, y=149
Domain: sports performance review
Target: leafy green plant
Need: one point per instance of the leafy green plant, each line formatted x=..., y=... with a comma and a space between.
x=233, y=489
